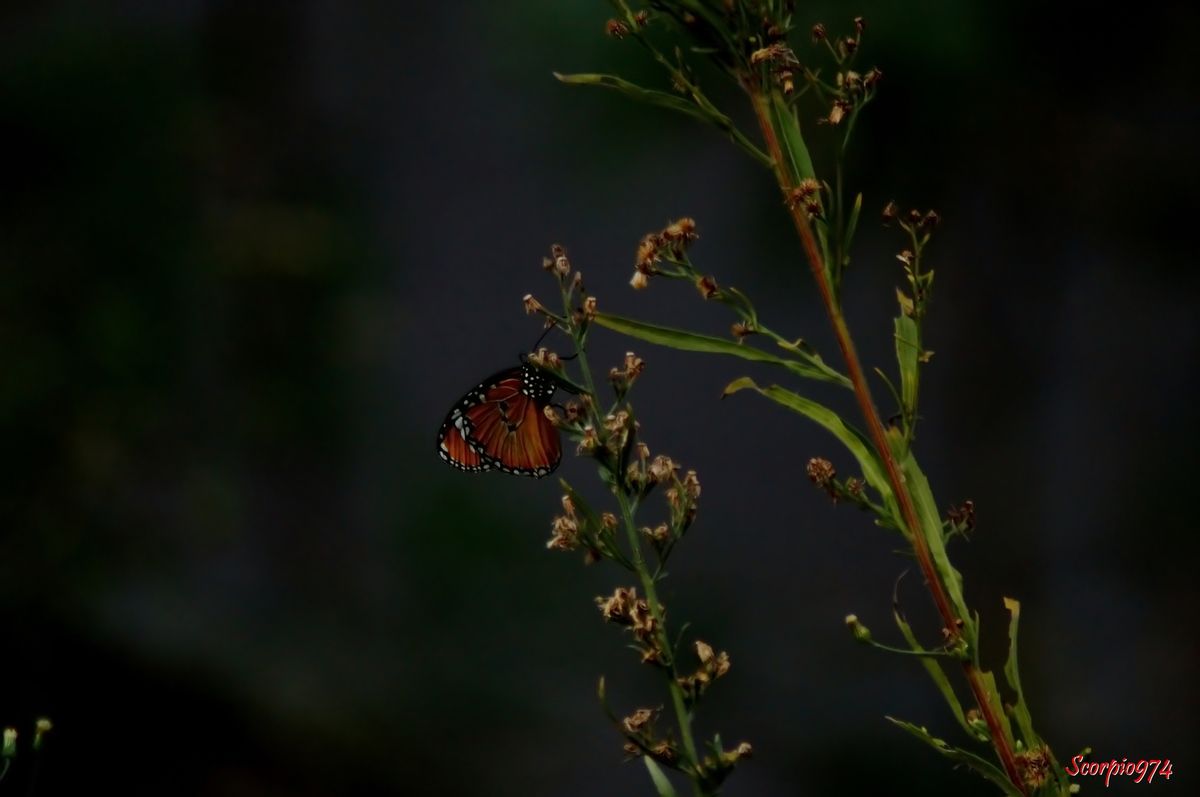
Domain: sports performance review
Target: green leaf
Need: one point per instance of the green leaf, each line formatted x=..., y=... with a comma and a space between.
x=662, y=99
x=997, y=703
x=672, y=102
x=934, y=668
x=792, y=139
x=661, y=784
x=908, y=351
x=980, y=765
x=852, y=226
x=810, y=366
x=851, y=438
x=1013, y=675
x=932, y=528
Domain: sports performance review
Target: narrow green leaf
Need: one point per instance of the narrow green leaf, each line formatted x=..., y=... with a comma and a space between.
x=997, y=702
x=934, y=668
x=810, y=366
x=854, y=440
x=932, y=528
x=1013, y=676
x=980, y=765
x=908, y=350
x=662, y=99
x=698, y=108
x=664, y=787
x=852, y=226
x=790, y=135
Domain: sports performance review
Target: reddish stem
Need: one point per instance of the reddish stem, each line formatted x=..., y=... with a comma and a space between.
x=879, y=437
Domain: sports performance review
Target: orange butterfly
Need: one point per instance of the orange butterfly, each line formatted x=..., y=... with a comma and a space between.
x=502, y=425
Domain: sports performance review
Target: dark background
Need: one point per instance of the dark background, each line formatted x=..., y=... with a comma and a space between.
x=252, y=252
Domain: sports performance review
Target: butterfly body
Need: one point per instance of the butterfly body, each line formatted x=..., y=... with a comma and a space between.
x=501, y=425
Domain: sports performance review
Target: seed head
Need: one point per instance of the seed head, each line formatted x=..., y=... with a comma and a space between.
x=818, y=33
x=589, y=308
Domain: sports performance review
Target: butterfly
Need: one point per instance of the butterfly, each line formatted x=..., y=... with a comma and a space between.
x=501, y=425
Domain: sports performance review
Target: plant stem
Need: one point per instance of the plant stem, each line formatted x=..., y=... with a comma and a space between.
x=862, y=392
x=683, y=717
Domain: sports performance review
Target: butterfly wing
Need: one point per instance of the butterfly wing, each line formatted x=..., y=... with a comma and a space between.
x=501, y=425
x=454, y=449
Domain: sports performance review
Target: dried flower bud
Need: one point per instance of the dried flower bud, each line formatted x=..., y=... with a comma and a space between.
x=639, y=281
x=643, y=451
x=638, y=720
x=617, y=422
x=532, y=305
x=930, y=220
x=608, y=522
x=634, y=365
x=616, y=607
x=564, y=534
x=573, y=412
x=849, y=44
x=821, y=472
x=741, y=330
x=616, y=29
x=914, y=216
x=641, y=18
x=681, y=230
x=1034, y=766
x=691, y=486
x=665, y=752
x=662, y=468
x=659, y=534
x=860, y=24
x=818, y=33
x=648, y=253
x=889, y=212
x=963, y=515
x=589, y=308
x=707, y=287
x=590, y=441
x=838, y=112
x=808, y=187
x=906, y=257
x=872, y=77
x=544, y=358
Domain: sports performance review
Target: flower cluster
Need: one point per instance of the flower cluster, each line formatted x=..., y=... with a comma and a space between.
x=670, y=243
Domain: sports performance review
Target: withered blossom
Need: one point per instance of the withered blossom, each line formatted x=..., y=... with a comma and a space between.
x=564, y=534
x=707, y=286
x=662, y=468
x=638, y=720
